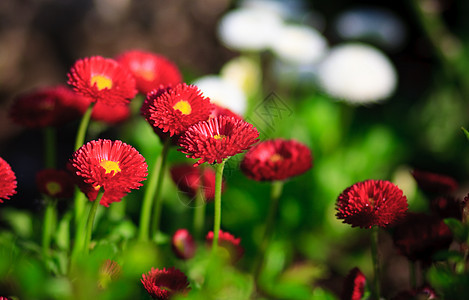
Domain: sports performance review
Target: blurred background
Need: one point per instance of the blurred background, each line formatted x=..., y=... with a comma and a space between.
x=414, y=123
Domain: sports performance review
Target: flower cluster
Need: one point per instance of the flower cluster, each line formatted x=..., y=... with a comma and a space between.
x=371, y=203
x=173, y=109
x=228, y=242
x=277, y=159
x=52, y=106
x=183, y=244
x=217, y=139
x=150, y=70
x=102, y=80
x=113, y=166
x=189, y=179
x=163, y=284
x=7, y=181
x=55, y=183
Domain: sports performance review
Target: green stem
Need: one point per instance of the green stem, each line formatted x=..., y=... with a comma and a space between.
x=217, y=202
x=50, y=143
x=158, y=200
x=79, y=199
x=199, y=212
x=375, y=258
x=49, y=224
x=85, y=120
x=413, y=274
x=275, y=192
x=89, y=223
x=149, y=195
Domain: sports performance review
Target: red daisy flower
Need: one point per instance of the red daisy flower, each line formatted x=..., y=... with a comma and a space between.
x=7, y=181
x=419, y=236
x=183, y=244
x=228, y=242
x=435, y=183
x=102, y=80
x=55, y=183
x=173, y=110
x=150, y=70
x=276, y=160
x=109, y=271
x=112, y=165
x=216, y=139
x=189, y=178
x=218, y=110
x=354, y=285
x=163, y=284
x=371, y=202
x=50, y=106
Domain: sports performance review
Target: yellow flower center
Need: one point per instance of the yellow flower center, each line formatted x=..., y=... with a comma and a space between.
x=110, y=166
x=148, y=75
x=275, y=157
x=53, y=188
x=183, y=106
x=219, y=136
x=101, y=82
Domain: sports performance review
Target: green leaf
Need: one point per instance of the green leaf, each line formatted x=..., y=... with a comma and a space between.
x=449, y=255
x=448, y=284
x=459, y=230
x=19, y=221
x=62, y=236
x=319, y=293
x=466, y=133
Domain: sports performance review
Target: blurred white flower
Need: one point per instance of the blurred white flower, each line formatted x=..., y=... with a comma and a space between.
x=377, y=25
x=248, y=29
x=223, y=93
x=357, y=73
x=299, y=44
x=287, y=9
x=244, y=73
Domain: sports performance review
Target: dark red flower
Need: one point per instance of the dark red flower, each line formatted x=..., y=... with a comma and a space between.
x=217, y=139
x=110, y=114
x=52, y=106
x=112, y=165
x=189, y=179
x=163, y=284
x=103, y=112
x=102, y=80
x=447, y=207
x=277, y=159
x=419, y=236
x=435, y=183
x=150, y=70
x=354, y=285
x=228, y=242
x=173, y=110
x=183, y=244
x=371, y=202
x=55, y=183
x=7, y=181
x=218, y=110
